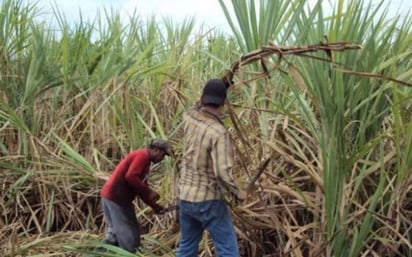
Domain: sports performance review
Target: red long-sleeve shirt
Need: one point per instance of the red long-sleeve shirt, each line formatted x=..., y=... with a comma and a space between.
x=129, y=179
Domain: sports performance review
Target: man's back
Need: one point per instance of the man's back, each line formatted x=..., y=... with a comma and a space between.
x=207, y=157
x=120, y=188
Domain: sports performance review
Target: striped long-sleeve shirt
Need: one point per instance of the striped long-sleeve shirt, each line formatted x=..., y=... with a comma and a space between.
x=207, y=162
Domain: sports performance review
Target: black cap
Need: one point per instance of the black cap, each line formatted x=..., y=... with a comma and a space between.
x=214, y=92
x=161, y=144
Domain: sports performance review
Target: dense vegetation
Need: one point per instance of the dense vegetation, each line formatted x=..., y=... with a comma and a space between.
x=336, y=126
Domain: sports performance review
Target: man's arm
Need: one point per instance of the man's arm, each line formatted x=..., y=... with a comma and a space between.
x=134, y=171
x=222, y=157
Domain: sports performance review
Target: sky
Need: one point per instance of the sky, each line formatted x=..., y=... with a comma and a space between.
x=207, y=12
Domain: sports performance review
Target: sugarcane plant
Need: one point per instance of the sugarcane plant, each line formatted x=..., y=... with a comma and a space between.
x=319, y=110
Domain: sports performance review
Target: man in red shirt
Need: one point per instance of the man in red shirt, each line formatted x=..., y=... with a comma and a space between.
x=128, y=180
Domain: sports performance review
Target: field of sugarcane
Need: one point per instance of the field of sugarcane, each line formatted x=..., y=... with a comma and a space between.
x=319, y=109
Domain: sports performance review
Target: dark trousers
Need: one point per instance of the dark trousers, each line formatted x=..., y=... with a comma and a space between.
x=122, y=226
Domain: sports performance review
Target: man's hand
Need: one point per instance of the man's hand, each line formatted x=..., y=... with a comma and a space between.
x=154, y=196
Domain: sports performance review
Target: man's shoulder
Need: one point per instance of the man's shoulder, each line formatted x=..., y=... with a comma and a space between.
x=141, y=153
x=192, y=111
x=196, y=115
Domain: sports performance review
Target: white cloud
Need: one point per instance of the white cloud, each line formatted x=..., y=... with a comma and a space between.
x=207, y=12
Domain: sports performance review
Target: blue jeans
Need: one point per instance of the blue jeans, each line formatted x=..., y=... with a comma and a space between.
x=214, y=216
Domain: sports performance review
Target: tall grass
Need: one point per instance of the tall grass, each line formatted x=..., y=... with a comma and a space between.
x=347, y=118
x=73, y=104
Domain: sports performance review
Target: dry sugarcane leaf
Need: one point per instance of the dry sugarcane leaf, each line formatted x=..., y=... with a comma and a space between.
x=301, y=51
x=272, y=49
x=297, y=78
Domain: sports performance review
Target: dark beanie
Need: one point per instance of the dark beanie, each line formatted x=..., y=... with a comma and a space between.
x=214, y=92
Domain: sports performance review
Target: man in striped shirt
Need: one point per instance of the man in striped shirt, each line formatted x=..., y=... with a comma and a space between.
x=206, y=176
